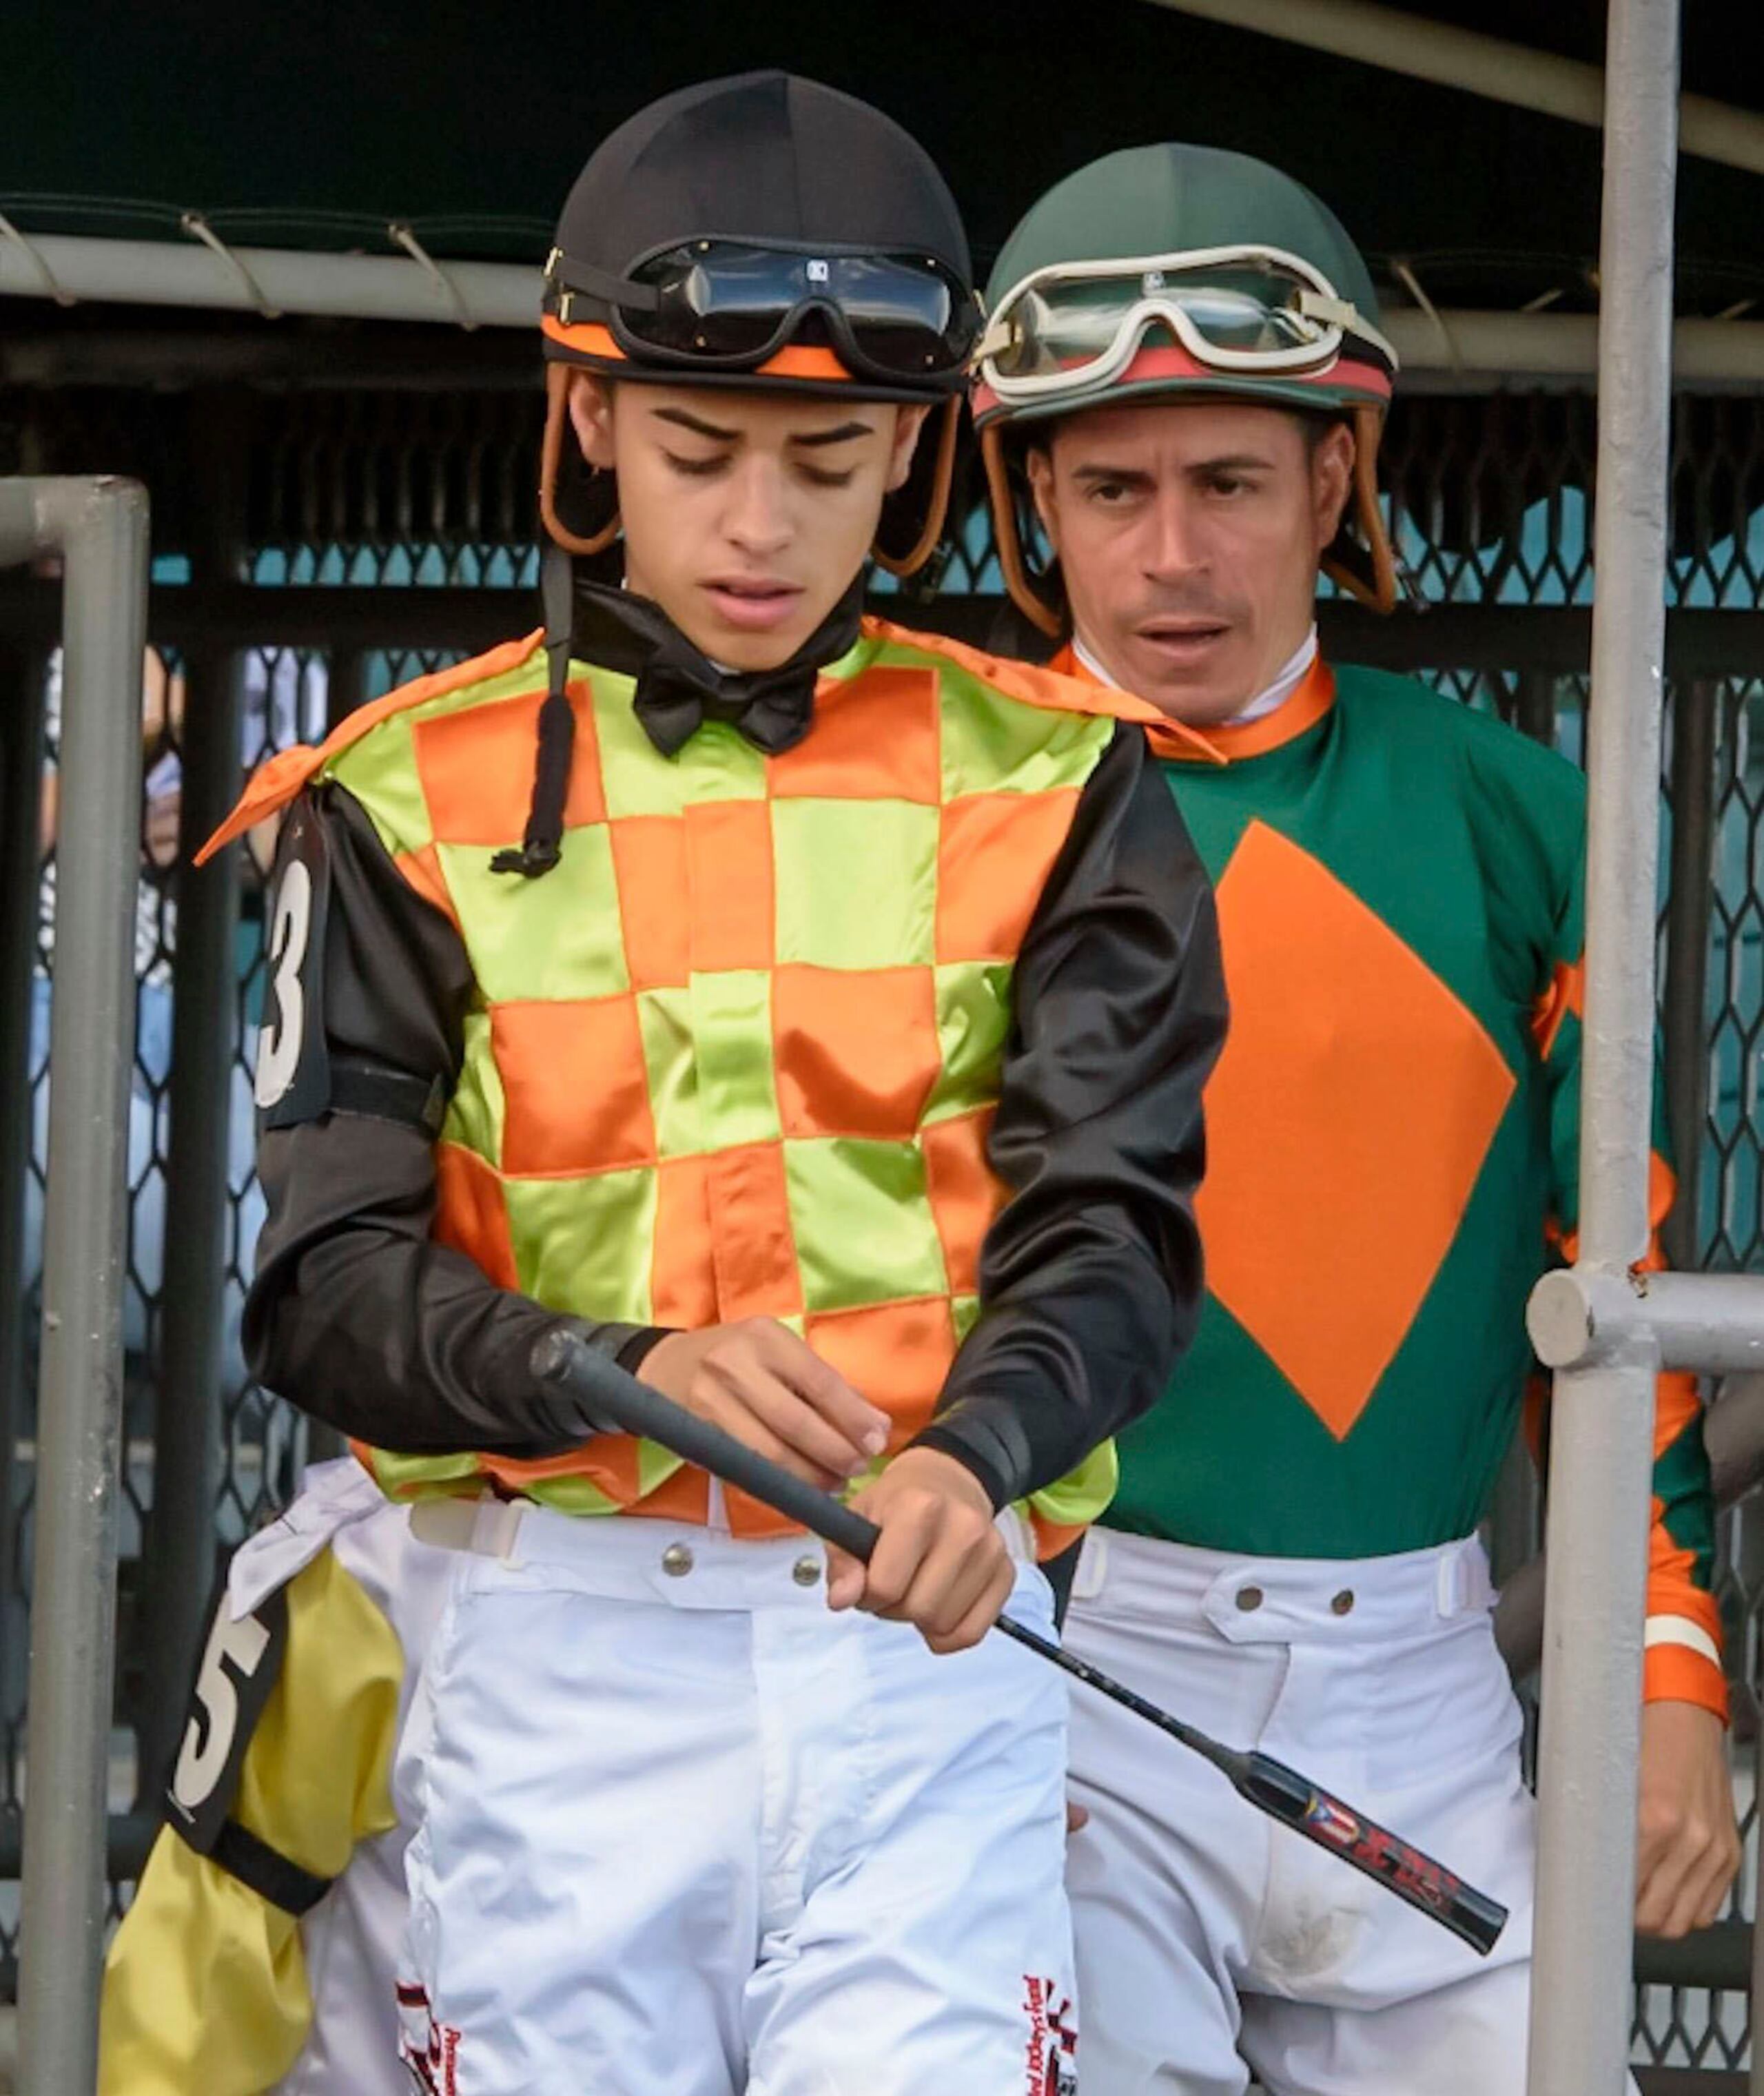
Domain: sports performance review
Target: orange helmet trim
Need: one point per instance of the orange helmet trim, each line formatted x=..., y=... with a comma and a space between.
x=794, y=360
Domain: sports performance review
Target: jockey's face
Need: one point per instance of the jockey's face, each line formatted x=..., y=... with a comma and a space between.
x=746, y=515
x=1188, y=534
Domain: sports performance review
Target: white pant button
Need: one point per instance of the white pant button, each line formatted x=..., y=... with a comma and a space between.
x=806, y=1571
x=1248, y=1598
x=677, y=1560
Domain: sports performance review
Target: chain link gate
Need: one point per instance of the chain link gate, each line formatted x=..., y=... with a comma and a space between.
x=318, y=546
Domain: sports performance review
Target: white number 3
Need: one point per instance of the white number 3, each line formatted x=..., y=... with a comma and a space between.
x=278, y=1047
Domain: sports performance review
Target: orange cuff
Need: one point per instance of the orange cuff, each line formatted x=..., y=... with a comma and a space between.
x=1680, y=1665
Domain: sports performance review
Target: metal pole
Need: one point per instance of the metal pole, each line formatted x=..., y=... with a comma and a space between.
x=21, y=775
x=1684, y=1023
x=1602, y=1425
x=1471, y=343
x=178, y=1549
x=272, y=281
x=100, y=527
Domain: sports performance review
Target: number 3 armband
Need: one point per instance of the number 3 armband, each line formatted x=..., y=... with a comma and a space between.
x=294, y=1078
x=299, y=1079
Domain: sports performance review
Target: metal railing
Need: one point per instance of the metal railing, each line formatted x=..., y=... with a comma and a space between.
x=98, y=529
x=1605, y=1332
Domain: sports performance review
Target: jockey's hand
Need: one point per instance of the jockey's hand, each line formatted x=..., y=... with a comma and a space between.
x=757, y=1381
x=941, y=1563
x=1688, y=1846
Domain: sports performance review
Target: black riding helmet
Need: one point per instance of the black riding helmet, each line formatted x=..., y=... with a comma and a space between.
x=762, y=232
x=767, y=233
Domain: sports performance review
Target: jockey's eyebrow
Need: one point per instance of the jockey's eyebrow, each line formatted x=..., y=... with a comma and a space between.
x=696, y=424
x=1133, y=475
x=813, y=439
x=808, y=440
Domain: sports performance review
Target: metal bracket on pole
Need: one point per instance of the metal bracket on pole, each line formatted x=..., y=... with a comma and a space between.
x=1712, y=1323
x=99, y=528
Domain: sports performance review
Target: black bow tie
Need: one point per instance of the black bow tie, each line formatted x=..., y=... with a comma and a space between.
x=674, y=698
x=678, y=689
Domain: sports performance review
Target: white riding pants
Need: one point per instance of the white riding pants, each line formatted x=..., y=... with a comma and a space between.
x=686, y=1833
x=1212, y=1942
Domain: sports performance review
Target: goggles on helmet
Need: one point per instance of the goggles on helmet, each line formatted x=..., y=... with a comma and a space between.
x=1235, y=310
x=724, y=305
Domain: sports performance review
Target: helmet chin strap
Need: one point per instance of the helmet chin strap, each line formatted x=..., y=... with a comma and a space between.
x=1366, y=570
x=1041, y=610
x=542, y=846
x=936, y=507
x=558, y=378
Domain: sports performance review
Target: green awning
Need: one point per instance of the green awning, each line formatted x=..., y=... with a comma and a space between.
x=292, y=126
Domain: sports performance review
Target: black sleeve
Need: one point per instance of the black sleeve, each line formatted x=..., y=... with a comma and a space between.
x=356, y=1315
x=1091, y=1276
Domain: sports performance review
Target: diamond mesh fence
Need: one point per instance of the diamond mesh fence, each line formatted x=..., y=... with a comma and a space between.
x=329, y=543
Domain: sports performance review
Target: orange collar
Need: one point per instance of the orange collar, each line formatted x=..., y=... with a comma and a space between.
x=1062, y=685
x=1230, y=742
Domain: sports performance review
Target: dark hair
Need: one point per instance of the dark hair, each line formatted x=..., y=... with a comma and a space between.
x=1317, y=423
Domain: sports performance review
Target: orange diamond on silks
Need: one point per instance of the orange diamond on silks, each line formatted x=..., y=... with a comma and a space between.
x=1346, y=1122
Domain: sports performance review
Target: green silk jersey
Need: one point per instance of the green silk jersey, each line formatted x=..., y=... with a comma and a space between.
x=1392, y=1146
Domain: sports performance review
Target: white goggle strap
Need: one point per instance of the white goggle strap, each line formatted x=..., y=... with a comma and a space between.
x=1343, y=315
x=1190, y=262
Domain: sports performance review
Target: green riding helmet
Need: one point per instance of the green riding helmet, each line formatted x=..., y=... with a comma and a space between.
x=1170, y=271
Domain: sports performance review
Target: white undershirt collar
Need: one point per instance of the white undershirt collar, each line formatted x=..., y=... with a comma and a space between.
x=1285, y=683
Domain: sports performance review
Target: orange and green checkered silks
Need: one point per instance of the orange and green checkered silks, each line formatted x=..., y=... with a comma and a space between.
x=737, y=1055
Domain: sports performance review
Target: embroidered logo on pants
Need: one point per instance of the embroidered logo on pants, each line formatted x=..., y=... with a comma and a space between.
x=429, y=2050
x=1052, y=2054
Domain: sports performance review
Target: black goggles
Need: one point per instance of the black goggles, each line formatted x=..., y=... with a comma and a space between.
x=901, y=319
